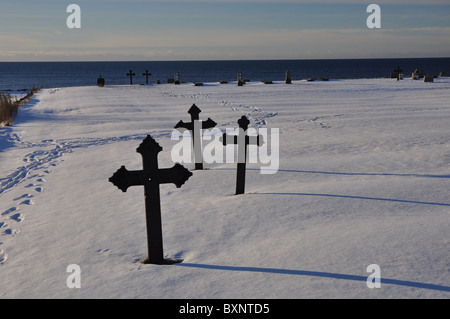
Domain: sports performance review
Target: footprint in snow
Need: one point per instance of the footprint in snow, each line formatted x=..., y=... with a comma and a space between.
x=18, y=217
x=27, y=202
x=9, y=211
x=22, y=197
x=11, y=231
x=3, y=256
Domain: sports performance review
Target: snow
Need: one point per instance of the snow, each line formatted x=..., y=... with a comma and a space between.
x=363, y=179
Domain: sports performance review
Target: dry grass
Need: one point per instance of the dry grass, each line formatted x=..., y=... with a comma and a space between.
x=8, y=109
x=9, y=106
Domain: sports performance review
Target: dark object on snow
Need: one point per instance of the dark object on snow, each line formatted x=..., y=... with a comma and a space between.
x=146, y=76
x=151, y=177
x=195, y=126
x=131, y=74
x=397, y=74
x=428, y=78
x=288, y=78
x=100, y=81
x=240, y=82
x=242, y=140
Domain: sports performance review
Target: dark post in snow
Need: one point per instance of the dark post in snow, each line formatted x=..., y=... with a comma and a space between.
x=131, y=74
x=196, y=126
x=288, y=77
x=242, y=140
x=176, y=78
x=240, y=81
x=146, y=76
x=398, y=70
x=151, y=177
x=100, y=81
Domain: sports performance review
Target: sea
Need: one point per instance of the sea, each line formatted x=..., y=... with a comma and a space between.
x=28, y=75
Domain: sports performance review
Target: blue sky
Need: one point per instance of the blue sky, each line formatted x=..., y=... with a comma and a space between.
x=117, y=30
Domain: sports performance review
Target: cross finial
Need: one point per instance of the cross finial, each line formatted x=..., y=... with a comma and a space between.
x=149, y=146
x=243, y=122
x=194, y=110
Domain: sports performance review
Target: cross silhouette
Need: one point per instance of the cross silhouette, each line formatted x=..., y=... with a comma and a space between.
x=195, y=126
x=151, y=177
x=131, y=74
x=242, y=140
x=146, y=76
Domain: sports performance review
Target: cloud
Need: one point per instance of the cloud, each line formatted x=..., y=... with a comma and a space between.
x=246, y=44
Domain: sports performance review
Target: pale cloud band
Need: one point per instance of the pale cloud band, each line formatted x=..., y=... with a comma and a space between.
x=247, y=44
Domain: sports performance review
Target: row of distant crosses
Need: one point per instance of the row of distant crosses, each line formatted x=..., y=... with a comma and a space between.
x=240, y=80
x=151, y=176
x=131, y=74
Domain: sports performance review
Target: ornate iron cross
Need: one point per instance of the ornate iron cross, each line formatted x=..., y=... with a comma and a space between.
x=196, y=126
x=131, y=74
x=151, y=177
x=146, y=76
x=242, y=140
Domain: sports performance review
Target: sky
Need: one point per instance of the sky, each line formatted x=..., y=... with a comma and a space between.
x=165, y=30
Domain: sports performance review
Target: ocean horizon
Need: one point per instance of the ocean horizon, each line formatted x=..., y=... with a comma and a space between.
x=26, y=75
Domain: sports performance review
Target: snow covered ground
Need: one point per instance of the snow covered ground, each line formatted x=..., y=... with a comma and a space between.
x=364, y=179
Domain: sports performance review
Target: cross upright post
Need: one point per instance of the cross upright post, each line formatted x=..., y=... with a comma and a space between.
x=146, y=76
x=151, y=177
x=131, y=74
x=196, y=126
x=242, y=140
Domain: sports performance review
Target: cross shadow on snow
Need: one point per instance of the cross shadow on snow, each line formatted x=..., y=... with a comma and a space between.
x=356, y=197
x=343, y=173
x=330, y=275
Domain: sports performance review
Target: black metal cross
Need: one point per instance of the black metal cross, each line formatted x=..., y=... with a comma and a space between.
x=131, y=74
x=146, y=76
x=151, y=177
x=398, y=70
x=196, y=128
x=242, y=140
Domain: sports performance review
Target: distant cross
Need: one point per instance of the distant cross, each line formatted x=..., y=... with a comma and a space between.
x=242, y=140
x=131, y=74
x=196, y=126
x=146, y=76
x=151, y=177
x=398, y=70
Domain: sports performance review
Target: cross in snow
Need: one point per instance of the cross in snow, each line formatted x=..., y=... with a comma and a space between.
x=151, y=177
x=195, y=127
x=242, y=140
x=146, y=76
x=131, y=74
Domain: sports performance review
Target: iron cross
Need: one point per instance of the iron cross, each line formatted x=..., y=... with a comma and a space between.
x=131, y=74
x=242, y=140
x=146, y=76
x=151, y=177
x=196, y=126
